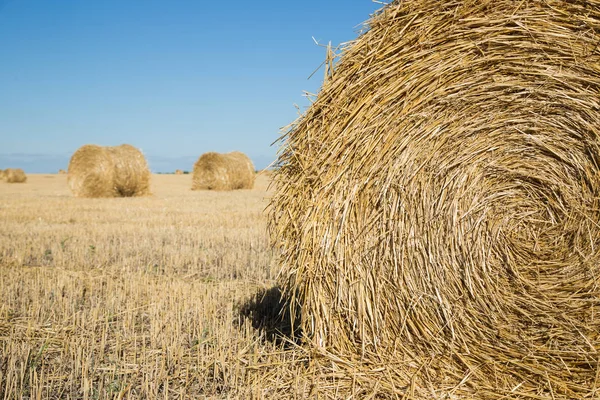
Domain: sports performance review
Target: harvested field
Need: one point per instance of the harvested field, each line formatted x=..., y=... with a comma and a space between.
x=139, y=298
x=434, y=232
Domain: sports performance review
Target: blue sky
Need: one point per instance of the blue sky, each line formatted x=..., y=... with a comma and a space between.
x=176, y=78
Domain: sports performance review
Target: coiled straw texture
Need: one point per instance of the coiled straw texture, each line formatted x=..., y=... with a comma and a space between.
x=437, y=208
x=228, y=171
x=120, y=171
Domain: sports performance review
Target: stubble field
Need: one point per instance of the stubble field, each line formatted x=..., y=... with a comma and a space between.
x=133, y=298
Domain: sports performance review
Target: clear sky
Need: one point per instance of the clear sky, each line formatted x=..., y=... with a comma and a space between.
x=176, y=78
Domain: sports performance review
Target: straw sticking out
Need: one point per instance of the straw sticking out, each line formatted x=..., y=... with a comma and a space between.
x=438, y=205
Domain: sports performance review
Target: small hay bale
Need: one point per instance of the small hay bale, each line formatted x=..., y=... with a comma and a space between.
x=62, y=172
x=2, y=174
x=91, y=172
x=120, y=171
x=15, y=175
x=132, y=175
x=178, y=172
x=437, y=208
x=229, y=171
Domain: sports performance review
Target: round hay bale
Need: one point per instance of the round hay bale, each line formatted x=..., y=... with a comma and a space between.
x=62, y=172
x=229, y=171
x=96, y=171
x=132, y=175
x=438, y=206
x=91, y=172
x=15, y=175
x=178, y=172
x=2, y=174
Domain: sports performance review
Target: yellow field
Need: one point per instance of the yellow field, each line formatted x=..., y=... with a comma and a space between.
x=134, y=298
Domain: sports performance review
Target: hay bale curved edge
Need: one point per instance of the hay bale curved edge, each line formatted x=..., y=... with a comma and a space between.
x=229, y=171
x=120, y=171
x=15, y=175
x=438, y=206
x=132, y=175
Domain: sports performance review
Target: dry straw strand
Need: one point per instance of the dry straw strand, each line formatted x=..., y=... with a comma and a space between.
x=120, y=171
x=229, y=171
x=437, y=208
x=15, y=175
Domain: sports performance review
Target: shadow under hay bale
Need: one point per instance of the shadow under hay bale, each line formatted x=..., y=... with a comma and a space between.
x=270, y=313
x=120, y=171
x=438, y=206
x=15, y=175
x=230, y=171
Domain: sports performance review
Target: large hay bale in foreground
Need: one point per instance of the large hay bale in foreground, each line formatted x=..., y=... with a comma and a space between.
x=438, y=206
x=15, y=175
x=229, y=171
x=120, y=171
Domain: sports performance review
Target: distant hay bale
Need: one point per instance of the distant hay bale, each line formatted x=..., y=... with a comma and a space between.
x=437, y=209
x=2, y=174
x=132, y=175
x=120, y=171
x=230, y=171
x=91, y=172
x=178, y=172
x=62, y=172
x=15, y=175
